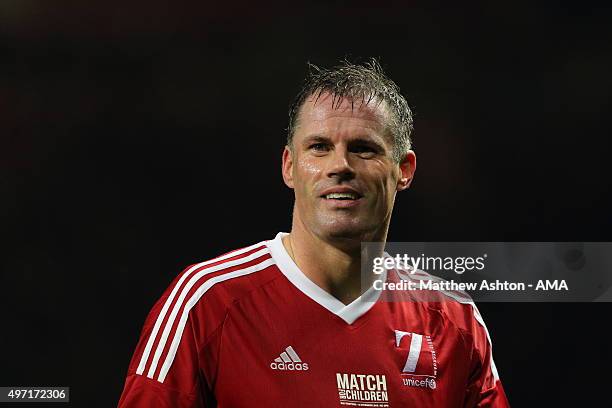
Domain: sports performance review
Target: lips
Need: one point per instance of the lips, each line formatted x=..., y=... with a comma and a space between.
x=341, y=193
x=341, y=197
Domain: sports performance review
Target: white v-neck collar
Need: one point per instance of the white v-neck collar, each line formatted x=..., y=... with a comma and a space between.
x=349, y=313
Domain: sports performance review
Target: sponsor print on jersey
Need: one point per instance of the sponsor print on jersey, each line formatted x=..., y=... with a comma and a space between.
x=288, y=361
x=420, y=367
x=362, y=390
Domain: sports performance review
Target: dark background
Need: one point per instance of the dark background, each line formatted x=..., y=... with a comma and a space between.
x=139, y=137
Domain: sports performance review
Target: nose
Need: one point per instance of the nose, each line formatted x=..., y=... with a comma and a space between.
x=340, y=165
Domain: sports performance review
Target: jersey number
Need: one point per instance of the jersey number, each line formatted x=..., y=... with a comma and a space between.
x=416, y=341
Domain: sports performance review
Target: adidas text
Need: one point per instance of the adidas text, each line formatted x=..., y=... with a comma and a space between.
x=289, y=366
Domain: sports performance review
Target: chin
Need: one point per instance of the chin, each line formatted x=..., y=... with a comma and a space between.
x=346, y=231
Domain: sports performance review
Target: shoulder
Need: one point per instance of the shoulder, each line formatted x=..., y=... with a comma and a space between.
x=203, y=292
x=224, y=279
x=454, y=304
x=197, y=302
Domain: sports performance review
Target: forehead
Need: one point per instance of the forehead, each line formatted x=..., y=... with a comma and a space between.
x=326, y=114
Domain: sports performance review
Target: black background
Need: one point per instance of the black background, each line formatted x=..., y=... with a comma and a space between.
x=139, y=137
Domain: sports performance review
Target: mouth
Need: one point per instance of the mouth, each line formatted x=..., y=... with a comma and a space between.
x=342, y=196
x=342, y=199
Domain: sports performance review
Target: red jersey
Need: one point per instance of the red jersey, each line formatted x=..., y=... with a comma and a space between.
x=250, y=329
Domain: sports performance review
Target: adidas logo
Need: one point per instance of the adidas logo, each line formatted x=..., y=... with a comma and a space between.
x=288, y=361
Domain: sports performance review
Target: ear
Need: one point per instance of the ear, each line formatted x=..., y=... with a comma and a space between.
x=407, y=168
x=287, y=167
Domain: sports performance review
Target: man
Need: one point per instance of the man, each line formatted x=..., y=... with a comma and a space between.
x=286, y=322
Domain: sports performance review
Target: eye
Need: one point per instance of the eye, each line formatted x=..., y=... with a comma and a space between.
x=319, y=147
x=364, y=150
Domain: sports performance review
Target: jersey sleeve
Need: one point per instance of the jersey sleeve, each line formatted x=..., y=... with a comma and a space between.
x=165, y=369
x=485, y=389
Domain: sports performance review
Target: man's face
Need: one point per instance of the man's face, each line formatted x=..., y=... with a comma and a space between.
x=342, y=170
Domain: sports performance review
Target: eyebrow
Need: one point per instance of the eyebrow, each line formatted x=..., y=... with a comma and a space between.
x=317, y=138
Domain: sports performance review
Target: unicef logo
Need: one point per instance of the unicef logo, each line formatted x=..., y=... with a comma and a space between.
x=432, y=383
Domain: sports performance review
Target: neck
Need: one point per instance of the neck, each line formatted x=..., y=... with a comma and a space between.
x=335, y=264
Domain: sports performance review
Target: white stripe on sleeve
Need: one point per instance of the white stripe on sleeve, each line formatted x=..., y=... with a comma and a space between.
x=194, y=299
x=162, y=314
